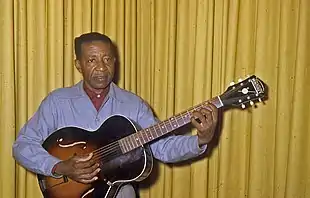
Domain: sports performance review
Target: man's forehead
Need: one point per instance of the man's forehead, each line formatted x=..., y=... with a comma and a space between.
x=96, y=46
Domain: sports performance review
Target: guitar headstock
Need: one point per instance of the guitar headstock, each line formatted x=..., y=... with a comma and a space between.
x=244, y=93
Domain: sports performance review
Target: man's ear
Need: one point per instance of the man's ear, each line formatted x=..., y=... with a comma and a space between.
x=78, y=65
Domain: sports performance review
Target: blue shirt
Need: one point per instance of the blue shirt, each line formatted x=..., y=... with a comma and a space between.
x=71, y=106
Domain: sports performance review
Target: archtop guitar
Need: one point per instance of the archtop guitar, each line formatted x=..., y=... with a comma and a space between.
x=121, y=149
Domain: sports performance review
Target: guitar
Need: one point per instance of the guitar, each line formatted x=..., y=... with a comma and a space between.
x=122, y=152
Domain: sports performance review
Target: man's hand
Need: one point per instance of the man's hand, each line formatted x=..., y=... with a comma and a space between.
x=208, y=117
x=80, y=169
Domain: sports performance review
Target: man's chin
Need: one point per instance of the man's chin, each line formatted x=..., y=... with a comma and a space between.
x=101, y=85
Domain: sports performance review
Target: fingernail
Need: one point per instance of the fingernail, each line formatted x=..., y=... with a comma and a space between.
x=96, y=178
x=98, y=170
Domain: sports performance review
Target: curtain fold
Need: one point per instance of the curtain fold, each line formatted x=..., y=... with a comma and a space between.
x=174, y=54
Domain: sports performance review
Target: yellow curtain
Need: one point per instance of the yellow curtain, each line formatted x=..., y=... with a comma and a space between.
x=174, y=54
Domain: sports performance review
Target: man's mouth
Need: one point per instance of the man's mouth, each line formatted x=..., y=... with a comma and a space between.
x=100, y=78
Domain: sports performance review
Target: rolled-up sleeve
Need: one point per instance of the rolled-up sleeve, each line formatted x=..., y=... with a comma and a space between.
x=173, y=148
x=27, y=149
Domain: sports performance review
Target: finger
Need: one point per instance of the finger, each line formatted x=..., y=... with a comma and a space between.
x=213, y=109
x=83, y=165
x=90, y=175
x=90, y=169
x=205, y=119
x=84, y=162
x=207, y=115
x=199, y=115
x=196, y=115
x=88, y=181
x=84, y=159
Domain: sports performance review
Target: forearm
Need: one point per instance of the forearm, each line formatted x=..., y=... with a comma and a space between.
x=33, y=157
x=177, y=148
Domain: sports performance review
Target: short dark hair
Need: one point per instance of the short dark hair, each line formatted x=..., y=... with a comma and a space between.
x=88, y=37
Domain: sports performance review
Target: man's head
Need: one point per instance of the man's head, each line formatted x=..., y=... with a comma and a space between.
x=95, y=59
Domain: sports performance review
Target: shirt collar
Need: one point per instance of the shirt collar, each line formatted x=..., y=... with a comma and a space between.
x=111, y=93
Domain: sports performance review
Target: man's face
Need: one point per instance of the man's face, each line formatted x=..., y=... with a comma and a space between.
x=96, y=64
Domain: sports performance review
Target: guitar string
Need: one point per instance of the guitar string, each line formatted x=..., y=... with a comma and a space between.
x=106, y=158
x=112, y=145
x=105, y=149
x=113, y=149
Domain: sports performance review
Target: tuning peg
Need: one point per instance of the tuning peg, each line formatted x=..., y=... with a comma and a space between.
x=251, y=103
x=259, y=99
x=232, y=83
x=242, y=106
x=240, y=80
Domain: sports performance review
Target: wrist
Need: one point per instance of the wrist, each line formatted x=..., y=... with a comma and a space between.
x=55, y=170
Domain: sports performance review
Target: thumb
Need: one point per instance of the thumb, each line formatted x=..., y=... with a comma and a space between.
x=85, y=158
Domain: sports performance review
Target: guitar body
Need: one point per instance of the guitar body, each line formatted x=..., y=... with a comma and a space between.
x=117, y=169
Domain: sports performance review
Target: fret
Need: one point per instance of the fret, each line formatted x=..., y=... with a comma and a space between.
x=188, y=116
x=137, y=140
x=167, y=126
x=163, y=128
x=151, y=133
x=164, y=123
x=137, y=143
x=170, y=124
x=147, y=134
x=178, y=119
x=175, y=124
x=126, y=144
x=132, y=141
x=160, y=128
x=182, y=116
x=123, y=148
x=154, y=128
x=142, y=137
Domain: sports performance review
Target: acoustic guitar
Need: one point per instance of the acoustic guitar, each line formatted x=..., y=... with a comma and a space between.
x=121, y=149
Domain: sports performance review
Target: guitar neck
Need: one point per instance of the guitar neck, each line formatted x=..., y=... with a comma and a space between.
x=151, y=133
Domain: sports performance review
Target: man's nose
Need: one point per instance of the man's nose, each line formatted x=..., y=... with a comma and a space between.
x=100, y=66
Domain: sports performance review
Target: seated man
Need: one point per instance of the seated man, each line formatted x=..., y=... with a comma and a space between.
x=87, y=105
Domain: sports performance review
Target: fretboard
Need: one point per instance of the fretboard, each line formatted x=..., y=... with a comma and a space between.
x=151, y=133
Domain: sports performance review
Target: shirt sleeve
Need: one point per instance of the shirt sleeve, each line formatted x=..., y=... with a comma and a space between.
x=27, y=148
x=173, y=148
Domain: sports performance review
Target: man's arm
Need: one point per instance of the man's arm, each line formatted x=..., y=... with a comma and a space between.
x=27, y=149
x=173, y=148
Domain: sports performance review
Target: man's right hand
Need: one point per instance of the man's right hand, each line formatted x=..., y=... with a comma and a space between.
x=80, y=169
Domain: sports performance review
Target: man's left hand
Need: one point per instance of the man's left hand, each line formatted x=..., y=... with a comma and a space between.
x=208, y=117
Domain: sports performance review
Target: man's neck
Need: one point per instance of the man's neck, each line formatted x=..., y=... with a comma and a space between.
x=96, y=96
x=91, y=91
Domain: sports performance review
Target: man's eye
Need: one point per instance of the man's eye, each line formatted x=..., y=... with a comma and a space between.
x=106, y=59
x=91, y=60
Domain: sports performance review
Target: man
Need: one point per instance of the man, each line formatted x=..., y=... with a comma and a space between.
x=86, y=105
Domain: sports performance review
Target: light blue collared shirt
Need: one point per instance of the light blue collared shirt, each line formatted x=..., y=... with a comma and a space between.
x=72, y=107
